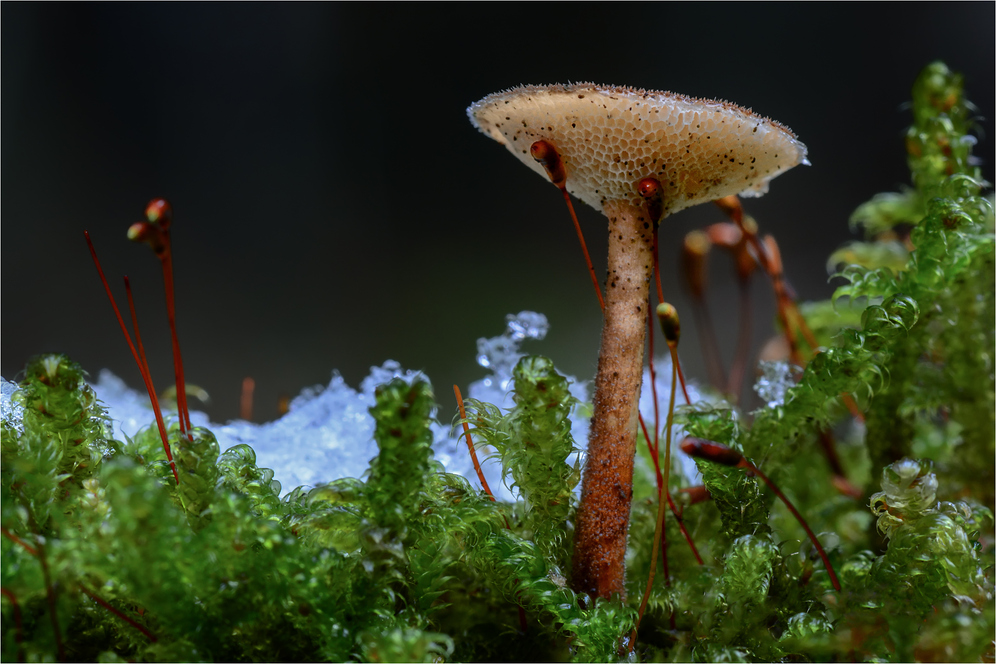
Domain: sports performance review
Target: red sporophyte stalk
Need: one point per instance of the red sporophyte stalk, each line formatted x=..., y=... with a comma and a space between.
x=146, y=376
x=670, y=501
x=768, y=256
x=653, y=394
x=134, y=325
x=547, y=155
x=119, y=614
x=37, y=552
x=155, y=232
x=484, y=482
x=670, y=325
x=17, y=540
x=719, y=453
x=470, y=444
x=650, y=189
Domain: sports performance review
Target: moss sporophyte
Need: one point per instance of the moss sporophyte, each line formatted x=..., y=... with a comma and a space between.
x=876, y=436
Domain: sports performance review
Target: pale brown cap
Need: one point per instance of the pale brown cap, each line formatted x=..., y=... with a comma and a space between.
x=609, y=138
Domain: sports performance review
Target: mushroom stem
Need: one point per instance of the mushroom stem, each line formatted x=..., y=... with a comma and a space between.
x=607, y=487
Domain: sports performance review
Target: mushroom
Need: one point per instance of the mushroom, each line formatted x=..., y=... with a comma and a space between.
x=638, y=156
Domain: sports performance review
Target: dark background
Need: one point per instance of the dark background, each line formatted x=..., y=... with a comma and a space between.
x=335, y=208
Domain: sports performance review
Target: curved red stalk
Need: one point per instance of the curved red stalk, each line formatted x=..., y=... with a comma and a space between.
x=547, y=156
x=584, y=247
x=653, y=454
x=138, y=333
x=17, y=540
x=480, y=475
x=33, y=551
x=470, y=446
x=119, y=614
x=684, y=531
x=181, y=391
x=655, y=447
x=772, y=264
x=660, y=299
x=653, y=392
x=769, y=258
x=719, y=453
x=670, y=501
x=657, y=266
x=788, y=503
x=659, y=527
x=141, y=366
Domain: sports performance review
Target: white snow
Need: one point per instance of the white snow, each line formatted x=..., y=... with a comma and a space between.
x=328, y=432
x=11, y=413
x=775, y=380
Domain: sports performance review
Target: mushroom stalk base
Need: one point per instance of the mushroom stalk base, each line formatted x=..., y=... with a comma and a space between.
x=598, y=565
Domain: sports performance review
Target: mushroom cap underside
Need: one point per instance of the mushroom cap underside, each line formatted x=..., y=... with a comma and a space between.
x=609, y=138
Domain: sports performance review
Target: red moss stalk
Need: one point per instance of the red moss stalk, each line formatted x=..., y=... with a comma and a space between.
x=659, y=534
x=119, y=614
x=470, y=445
x=155, y=233
x=719, y=453
x=146, y=376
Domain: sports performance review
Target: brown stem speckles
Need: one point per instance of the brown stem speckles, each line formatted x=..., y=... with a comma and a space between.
x=607, y=486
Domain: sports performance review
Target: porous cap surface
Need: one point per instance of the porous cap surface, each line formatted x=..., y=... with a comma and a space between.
x=609, y=138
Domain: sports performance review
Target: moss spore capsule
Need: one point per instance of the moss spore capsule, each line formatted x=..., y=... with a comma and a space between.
x=546, y=154
x=711, y=451
x=670, y=323
x=159, y=212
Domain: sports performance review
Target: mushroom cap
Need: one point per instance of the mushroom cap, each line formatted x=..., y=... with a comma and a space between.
x=609, y=138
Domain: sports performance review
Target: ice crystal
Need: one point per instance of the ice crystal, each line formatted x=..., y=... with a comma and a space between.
x=775, y=380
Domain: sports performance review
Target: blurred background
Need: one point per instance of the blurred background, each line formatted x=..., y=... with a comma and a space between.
x=334, y=208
